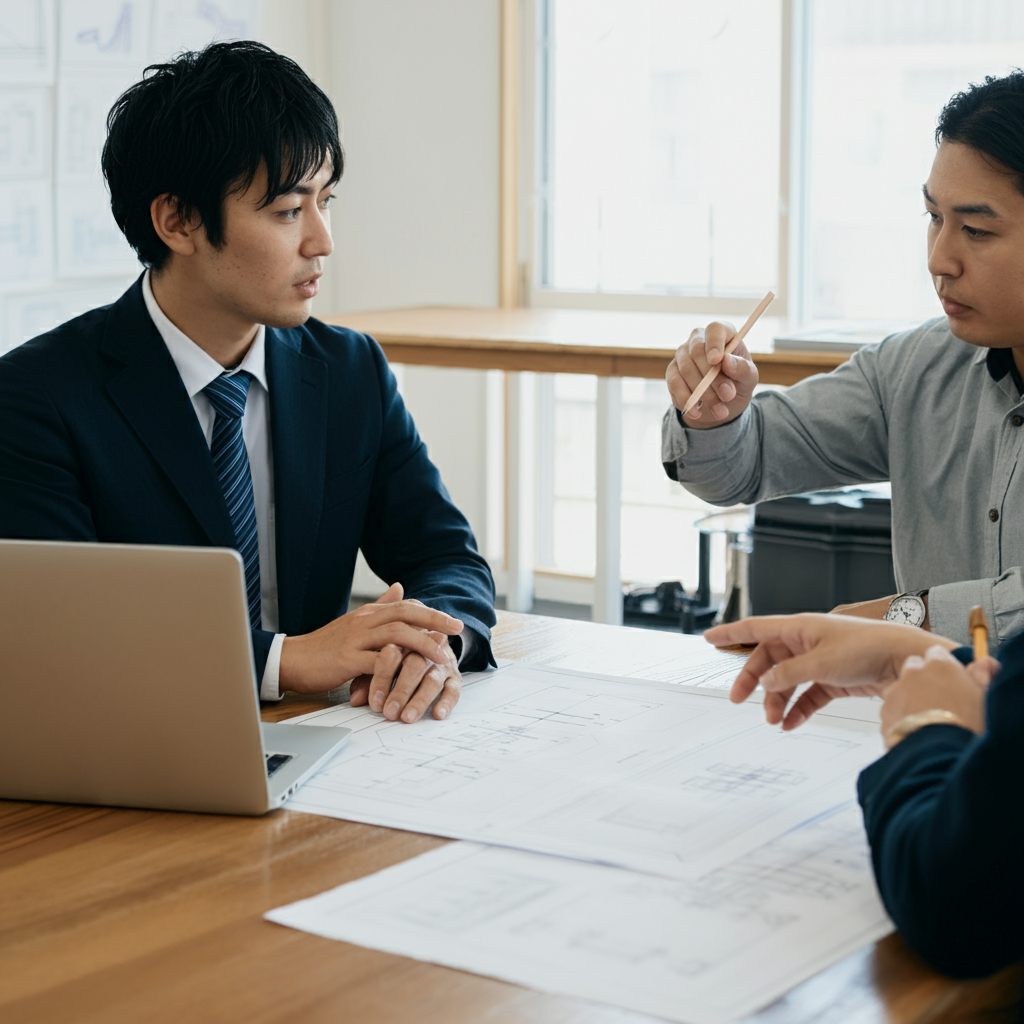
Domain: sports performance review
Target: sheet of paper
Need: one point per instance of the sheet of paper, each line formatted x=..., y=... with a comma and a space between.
x=26, y=229
x=656, y=777
x=702, y=952
x=656, y=656
x=26, y=48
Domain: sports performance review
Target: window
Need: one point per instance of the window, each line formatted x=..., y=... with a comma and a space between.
x=691, y=154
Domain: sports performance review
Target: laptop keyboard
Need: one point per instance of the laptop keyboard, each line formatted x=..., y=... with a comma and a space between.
x=275, y=761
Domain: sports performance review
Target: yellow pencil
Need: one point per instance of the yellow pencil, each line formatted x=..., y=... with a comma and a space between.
x=979, y=632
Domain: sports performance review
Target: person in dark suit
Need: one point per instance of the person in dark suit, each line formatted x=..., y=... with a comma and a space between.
x=206, y=407
x=942, y=809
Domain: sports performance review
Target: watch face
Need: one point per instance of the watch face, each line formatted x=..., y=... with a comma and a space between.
x=906, y=610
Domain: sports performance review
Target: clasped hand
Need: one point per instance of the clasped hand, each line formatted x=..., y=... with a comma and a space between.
x=395, y=651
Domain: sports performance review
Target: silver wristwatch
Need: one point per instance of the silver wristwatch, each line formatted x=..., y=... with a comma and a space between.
x=907, y=609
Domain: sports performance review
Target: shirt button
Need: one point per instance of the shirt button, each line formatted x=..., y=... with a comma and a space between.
x=993, y=514
x=1017, y=420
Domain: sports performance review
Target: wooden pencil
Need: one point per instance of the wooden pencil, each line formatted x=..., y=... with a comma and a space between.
x=715, y=370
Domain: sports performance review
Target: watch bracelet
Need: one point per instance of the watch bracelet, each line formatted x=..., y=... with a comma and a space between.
x=911, y=723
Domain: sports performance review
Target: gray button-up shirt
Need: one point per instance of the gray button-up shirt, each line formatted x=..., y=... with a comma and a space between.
x=920, y=409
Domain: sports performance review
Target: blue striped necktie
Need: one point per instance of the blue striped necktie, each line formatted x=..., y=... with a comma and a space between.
x=227, y=395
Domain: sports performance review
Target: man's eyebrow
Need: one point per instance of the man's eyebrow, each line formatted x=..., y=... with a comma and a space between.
x=969, y=209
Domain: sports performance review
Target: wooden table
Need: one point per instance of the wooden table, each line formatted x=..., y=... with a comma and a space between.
x=611, y=345
x=113, y=916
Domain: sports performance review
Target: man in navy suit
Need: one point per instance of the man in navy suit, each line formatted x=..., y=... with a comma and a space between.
x=205, y=407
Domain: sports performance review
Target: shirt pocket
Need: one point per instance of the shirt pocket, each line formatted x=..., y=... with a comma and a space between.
x=350, y=485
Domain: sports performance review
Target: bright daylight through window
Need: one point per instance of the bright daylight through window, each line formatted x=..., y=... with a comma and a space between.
x=660, y=129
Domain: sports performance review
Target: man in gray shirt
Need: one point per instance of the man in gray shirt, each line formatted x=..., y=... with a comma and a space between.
x=938, y=410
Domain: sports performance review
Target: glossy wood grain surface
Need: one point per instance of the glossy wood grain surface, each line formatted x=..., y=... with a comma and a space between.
x=111, y=916
x=602, y=342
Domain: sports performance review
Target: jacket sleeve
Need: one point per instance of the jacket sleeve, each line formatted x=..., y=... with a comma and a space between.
x=942, y=813
x=415, y=535
x=42, y=496
x=827, y=431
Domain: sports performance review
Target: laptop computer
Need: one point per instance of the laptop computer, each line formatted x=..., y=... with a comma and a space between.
x=127, y=679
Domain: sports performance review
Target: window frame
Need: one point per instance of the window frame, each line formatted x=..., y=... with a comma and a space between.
x=533, y=134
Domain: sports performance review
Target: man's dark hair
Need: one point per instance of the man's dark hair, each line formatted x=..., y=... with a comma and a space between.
x=989, y=117
x=200, y=127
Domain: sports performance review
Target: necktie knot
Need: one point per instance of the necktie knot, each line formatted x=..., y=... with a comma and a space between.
x=227, y=394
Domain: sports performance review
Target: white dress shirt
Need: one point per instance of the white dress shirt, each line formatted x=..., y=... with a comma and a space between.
x=198, y=369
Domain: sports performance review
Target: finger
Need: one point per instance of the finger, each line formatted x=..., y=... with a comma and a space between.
x=359, y=691
x=386, y=667
x=983, y=671
x=813, y=699
x=913, y=664
x=414, y=669
x=401, y=634
x=413, y=613
x=677, y=386
x=449, y=696
x=716, y=337
x=430, y=686
x=760, y=662
x=394, y=593
x=775, y=706
x=939, y=653
x=754, y=630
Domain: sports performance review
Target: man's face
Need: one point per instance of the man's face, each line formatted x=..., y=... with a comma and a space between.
x=267, y=269
x=976, y=246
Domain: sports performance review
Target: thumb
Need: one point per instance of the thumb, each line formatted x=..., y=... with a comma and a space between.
x=394, y=593
x=983, y=671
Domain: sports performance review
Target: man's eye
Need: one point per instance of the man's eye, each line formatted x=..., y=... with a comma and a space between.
x=975, y=232
x=290, y=214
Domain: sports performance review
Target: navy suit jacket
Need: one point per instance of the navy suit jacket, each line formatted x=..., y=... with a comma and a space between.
x=99, y=442
x=944, y=813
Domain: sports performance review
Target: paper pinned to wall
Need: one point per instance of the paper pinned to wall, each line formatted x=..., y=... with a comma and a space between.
x=26, y=248
x=24, y=134
x=190, y=24
x=655, y=777
x=25, y=315
x=83, y=103
x=89, y=243
x=702, y=952
x=26, y=41
x=104, y=33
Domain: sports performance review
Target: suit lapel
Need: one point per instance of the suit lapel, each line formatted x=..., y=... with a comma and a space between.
x=150, y=395
x=298, y=427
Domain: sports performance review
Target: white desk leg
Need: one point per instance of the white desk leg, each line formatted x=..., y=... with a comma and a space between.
x=522, y=500
x=607, y=578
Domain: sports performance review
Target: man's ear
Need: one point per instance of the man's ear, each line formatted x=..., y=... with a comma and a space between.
x=176, y=234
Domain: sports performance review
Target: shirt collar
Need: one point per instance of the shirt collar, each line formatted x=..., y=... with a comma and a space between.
x=196, y=367
x=1000, y=362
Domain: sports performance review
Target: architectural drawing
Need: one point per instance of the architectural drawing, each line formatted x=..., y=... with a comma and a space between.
x=24, y=315
x=26, y=252
x=26, y=47
x=24, y=134
x=83, y=103
x=190, y=24
x=704, y=951
x=104, y=33
x=654, y=777
x=89, y=243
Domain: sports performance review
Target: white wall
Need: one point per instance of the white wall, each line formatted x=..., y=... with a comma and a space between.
x=416, y=220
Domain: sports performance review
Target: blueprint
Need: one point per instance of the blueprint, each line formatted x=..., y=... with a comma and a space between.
x=24, y=133
x=26, y=50
x=661, y=778
x=704, y=951
x=26, y=225
x=89, y=243
x=104, y=33
x=191, y=24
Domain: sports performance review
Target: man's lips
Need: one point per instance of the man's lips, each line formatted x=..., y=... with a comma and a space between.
x=953, y=308
x=309, y=287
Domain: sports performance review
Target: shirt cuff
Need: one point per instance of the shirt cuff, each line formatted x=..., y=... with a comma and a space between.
x=270, y=684
x=949, y=609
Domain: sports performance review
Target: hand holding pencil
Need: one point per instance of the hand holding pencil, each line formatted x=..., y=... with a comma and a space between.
x=714, y=358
